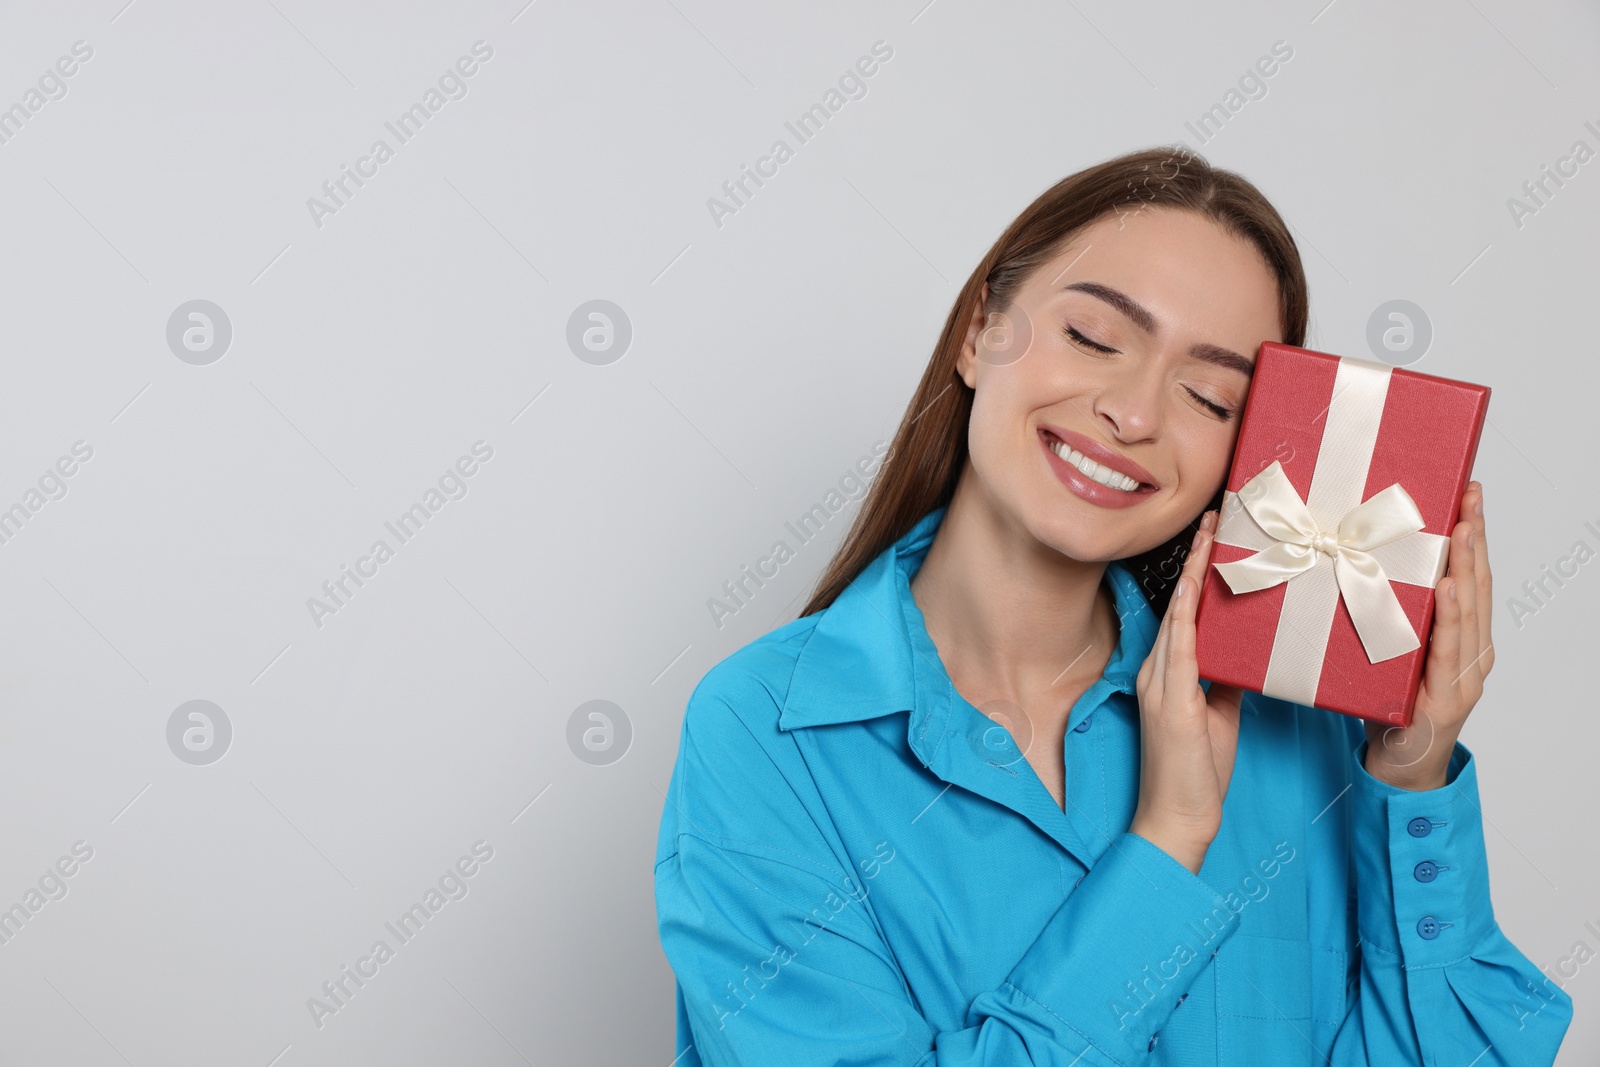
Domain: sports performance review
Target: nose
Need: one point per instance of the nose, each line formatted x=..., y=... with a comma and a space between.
x=1129, y=403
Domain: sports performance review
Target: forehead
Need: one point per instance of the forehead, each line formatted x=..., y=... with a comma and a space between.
x=1141, y=233
x=1181, y=265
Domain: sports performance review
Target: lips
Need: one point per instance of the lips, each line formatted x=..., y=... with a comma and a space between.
x=1102, y=455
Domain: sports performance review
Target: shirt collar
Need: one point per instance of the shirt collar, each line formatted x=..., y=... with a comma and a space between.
x=865, y=654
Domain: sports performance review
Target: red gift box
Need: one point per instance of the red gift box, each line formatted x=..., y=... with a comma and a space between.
x=1334, y=530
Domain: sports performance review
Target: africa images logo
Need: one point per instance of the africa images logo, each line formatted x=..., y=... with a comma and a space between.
x=452, y=85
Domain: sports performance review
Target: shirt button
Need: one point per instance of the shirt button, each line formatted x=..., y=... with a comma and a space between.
x=1426, y=871
x=1419, y=827
x=1153, y=1041
x=1084, y=725
x=1428, y=927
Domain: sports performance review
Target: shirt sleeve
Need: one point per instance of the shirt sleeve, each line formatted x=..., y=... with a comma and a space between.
x=1437, y=982
x=780, y=958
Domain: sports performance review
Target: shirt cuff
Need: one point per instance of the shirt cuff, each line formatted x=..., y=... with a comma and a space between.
x=1422, y=873
x=1122, y=951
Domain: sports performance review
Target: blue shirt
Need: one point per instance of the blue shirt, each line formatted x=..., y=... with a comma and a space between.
x=856, y=866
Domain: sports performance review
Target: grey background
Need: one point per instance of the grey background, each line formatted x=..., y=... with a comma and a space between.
x=767, y=356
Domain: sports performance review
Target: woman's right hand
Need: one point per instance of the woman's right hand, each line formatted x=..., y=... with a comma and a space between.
x=1187, y=737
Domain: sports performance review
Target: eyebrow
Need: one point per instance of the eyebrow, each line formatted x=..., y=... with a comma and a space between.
x=1140, y=316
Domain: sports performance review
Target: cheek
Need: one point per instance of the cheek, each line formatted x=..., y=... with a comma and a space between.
x=1005, y=399
x=1001, y=439
x=1203, y=463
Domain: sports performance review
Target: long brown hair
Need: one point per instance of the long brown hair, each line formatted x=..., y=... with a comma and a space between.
x=929, y=449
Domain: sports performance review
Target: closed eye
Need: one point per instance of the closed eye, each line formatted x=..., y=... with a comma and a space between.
x=1217, y=409
x=1072, y=332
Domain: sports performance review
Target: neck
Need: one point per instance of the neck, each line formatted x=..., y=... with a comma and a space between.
x=1012, y=618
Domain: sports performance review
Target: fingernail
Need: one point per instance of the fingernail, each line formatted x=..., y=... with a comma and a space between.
x=1452, y=590
x=1210, y=521
x=1477, y=505
x=1472, y=538
x=1182, y=584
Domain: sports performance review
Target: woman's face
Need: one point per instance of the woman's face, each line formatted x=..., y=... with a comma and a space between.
x=1133, y=348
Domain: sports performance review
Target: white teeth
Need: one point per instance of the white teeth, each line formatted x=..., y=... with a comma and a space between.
x=1104, y=475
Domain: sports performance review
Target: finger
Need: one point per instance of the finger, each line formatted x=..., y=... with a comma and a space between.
x=1485, y=583
x=1158, y=654
x=1181, y=674
x=1465, y=573
x=1194, y=570
x=1223, y=706
x=1225, y=699
x=1444, y=646
x=1150, y=670
x=1176, y=602
x=1164, y=666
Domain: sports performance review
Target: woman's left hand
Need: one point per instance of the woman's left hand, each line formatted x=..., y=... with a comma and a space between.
x=1460, y=655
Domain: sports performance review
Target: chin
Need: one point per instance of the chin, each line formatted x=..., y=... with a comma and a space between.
x=1071, y=537
x=1096, y=536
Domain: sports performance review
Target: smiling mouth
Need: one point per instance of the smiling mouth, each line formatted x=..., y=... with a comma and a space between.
x=1096, y=472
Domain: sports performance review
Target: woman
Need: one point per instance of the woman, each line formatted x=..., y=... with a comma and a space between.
x=974, y=806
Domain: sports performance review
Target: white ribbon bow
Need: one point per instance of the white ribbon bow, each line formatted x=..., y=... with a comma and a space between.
x=1296, y=544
